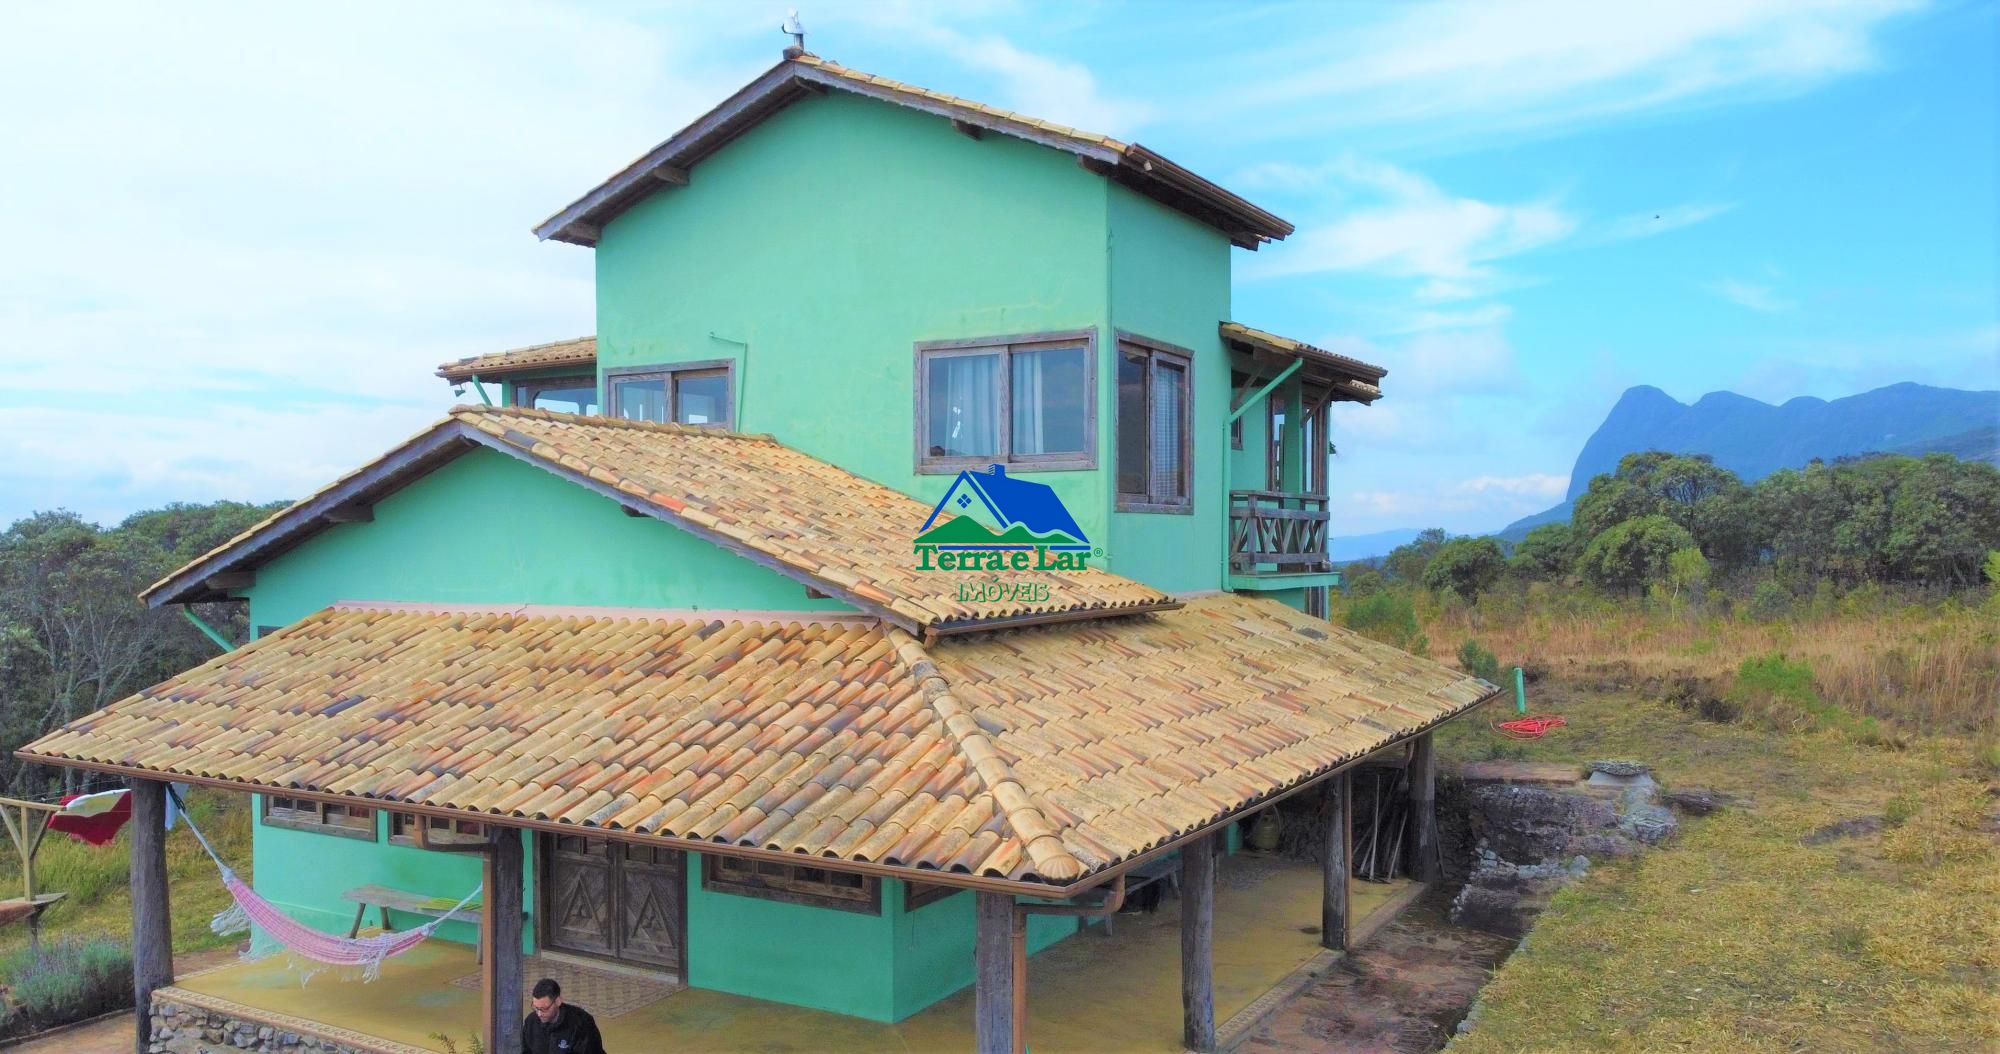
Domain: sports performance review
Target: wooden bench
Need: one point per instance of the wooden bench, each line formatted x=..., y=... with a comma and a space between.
x=1166, y=869
x=18, y=908
x=384, y=898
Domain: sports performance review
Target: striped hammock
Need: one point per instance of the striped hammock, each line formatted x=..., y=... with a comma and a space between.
x=251, y=910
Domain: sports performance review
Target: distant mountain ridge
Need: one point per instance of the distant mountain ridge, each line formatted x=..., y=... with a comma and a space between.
x=1754, y=439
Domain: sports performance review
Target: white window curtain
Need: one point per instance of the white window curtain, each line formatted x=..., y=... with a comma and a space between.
x=1030, y=402
x=1169, y=392
x=971, y=424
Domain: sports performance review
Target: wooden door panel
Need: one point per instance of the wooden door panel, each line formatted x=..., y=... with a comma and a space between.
x=651, y=885
x=581, y=912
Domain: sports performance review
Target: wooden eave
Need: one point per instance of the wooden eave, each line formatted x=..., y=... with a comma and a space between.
x=1327, y=375
x=1132, y=166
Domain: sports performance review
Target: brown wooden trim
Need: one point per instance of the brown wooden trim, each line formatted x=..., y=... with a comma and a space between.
x=990, y=883
x=954, y=627
x=152, y=913
x=923, y=894
x=319, y=826
x=758, y=888
x=1154, y=351
x=1005, y=347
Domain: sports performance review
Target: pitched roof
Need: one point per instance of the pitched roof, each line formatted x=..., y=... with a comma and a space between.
x=1044, y=755
x=1347, y=378
x=802, y=517
x=580, y=351
x=802, y=75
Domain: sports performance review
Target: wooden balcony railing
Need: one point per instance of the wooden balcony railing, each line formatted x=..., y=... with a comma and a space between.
x=1275, y=532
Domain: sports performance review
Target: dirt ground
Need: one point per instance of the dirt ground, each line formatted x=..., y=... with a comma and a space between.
x=1405, y=990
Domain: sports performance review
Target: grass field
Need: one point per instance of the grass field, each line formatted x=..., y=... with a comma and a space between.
x=97, y=878
x=1769, y=927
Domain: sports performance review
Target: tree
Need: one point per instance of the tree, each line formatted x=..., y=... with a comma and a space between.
x=74, y=636
x=1608, y=502
x=1548, y=551
x=1687, y=571
x=1360, y=580
x=1466, y=566
x=1709, y=502
x=1634, y=554
x=1406, y=563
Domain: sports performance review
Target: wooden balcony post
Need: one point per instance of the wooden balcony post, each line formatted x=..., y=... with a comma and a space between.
x=999, y=990
x=152, y=919
x=1423, y=810
x=500, y=941
x=1337, y=862
x=1198, y=944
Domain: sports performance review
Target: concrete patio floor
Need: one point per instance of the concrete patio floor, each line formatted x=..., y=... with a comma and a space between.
x=1087, y=995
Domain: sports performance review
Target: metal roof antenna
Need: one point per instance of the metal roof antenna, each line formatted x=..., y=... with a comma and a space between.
x=797, y=31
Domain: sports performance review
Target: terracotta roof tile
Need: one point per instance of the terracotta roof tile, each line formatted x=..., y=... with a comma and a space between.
x=579, y=351
x=1036, y=754
x=818, y=523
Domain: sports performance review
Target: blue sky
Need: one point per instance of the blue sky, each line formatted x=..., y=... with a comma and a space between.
x=242, y=235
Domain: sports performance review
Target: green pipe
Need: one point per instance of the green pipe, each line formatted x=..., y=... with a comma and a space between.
x=481, y=389
x=1520, y=692
x=220, y=640
x=1264, y=391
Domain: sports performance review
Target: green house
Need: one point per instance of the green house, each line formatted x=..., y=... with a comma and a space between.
x=654, y=644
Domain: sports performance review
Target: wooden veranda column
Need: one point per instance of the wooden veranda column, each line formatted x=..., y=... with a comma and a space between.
x=1197, y=944
x=999, y=994
x=500, y=941
x=152, y=920
x=1337, y=862
x=1423, y=810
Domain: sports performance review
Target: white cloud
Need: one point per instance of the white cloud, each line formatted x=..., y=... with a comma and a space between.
x=1751, y=295
x=1540, y=486
x=1408, y=227
x=1452, y=72
x=1029, y=82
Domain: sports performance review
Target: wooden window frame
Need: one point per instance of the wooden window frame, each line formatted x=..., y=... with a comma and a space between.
x=750, y=880
x=922, y=894
x=294, y=817
x=1155, y=351
x=1005, y=347
x=668, y=372
x=450, y=836
x=536, y=385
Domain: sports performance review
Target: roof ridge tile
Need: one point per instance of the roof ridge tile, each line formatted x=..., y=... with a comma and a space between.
x=1044, y=845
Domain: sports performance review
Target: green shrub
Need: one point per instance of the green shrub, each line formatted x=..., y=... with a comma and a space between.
x=1389, y=617
x=69, y=979
x=1768, y=603
x=1477, y=661
x=1784, y=694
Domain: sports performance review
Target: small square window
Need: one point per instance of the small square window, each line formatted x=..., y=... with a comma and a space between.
x=1026, y=401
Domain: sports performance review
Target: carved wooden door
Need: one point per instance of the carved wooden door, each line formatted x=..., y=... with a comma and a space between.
x=616, y=901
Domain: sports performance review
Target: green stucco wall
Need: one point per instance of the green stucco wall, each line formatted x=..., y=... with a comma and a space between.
x=934, y=945
x=1170, y=282
x=790, y=953
x=817, y=249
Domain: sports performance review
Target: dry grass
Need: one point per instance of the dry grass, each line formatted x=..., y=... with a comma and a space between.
x=1923, y=669
x=1741, y=935
x=97, y=878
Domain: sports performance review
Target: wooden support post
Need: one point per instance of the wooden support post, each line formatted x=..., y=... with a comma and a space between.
x=996, y=1003
x=1197, y=944
x=500, y=940
x=1423, y=810
x=1337, y=862
x=152, y=920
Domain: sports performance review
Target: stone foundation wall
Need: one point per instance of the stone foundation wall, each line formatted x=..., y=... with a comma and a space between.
x=187, y=1023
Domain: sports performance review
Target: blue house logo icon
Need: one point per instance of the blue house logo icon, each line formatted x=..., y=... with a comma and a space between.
x=1028, y=516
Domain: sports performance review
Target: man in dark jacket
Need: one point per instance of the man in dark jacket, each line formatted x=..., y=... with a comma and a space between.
x=557, y=1027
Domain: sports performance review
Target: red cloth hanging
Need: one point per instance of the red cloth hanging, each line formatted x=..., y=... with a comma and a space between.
x=96, y=830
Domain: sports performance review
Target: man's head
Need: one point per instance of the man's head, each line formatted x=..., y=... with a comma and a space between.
x=547, y=999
